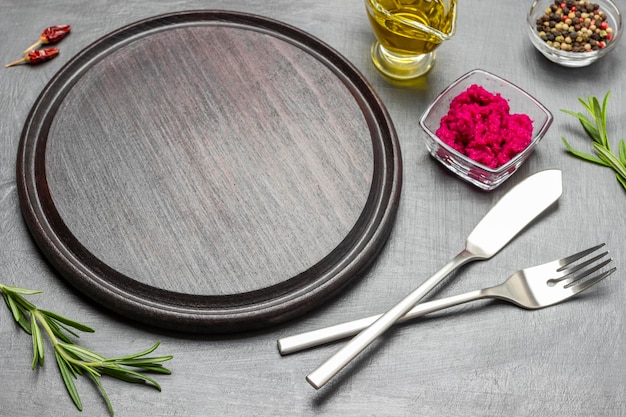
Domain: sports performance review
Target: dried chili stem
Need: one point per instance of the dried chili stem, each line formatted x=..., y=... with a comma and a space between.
x=36, y=57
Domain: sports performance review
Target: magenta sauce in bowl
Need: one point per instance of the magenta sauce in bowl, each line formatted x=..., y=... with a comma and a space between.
x=480, y=125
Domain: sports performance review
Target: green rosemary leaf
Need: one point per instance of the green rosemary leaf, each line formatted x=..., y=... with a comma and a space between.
x=57, y=331
x=68, y=379
x=591, y=131
x=156, y=368
x=156, y=359
x=12, y=306
x=621, y=180
x=587, y=125
x=611, y=159
x=70, y=355
x=595, y=107
x=25, y=324
x=35, y=361
x=19, y=290
x=119, y=373
x=597, y=130
x=23, y=303
x=592, y=109
x=584, y=103
x=20, y=314
x=75, y=369
x=129, y=375
x=76, y=325
x=602, y=116
x=622, y=151
x=82, y=353
x=90, y=370
x=38, y=349
x=138, y=362
x=143, y=377
x=104, y=394
x=136, y=355
x=582, y=155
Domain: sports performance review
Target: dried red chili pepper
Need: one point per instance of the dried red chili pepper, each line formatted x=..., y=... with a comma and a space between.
x=36, y=57
x=53, y=34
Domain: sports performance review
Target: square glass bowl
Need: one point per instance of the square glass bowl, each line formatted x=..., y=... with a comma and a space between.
x=573, y=59
x=469, y=170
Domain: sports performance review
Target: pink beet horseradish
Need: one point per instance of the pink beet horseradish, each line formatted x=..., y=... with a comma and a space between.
x=480, y=126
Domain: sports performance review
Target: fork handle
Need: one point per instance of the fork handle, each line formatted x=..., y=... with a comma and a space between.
x=296, y=343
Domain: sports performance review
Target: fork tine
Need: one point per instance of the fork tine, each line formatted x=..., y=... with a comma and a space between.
x=577, y=288
x=573, y=258
x=568, y=282
x=567, y=270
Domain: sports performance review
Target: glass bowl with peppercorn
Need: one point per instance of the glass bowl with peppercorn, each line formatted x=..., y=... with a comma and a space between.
x=574, y=33
x=483, y=128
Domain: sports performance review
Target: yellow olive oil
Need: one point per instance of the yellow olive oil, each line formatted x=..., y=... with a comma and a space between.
x=411, y=26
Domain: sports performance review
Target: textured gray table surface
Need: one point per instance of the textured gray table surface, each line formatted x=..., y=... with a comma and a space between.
x=485, y=359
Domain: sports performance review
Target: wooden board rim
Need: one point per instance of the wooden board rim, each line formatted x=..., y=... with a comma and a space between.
x=196, y=313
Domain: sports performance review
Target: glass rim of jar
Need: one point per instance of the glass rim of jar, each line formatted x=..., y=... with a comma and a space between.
x=442, y=35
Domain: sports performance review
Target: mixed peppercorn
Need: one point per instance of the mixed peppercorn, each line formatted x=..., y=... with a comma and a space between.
x=575, y=26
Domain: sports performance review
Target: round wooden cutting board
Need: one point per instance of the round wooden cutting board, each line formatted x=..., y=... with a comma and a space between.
x=209, y=171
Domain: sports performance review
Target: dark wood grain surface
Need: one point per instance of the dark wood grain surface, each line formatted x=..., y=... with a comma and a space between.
x=209, y=171
x=483, y=359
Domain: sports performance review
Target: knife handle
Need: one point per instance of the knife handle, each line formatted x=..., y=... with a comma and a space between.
x=320, y=376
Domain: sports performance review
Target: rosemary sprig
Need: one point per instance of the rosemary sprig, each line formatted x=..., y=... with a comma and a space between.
x=595, y=126
x=74, y=360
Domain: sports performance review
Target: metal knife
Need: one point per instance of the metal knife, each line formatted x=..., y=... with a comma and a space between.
x=513, y=212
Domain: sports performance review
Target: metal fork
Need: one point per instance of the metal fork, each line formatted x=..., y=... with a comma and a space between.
x=531, y=288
